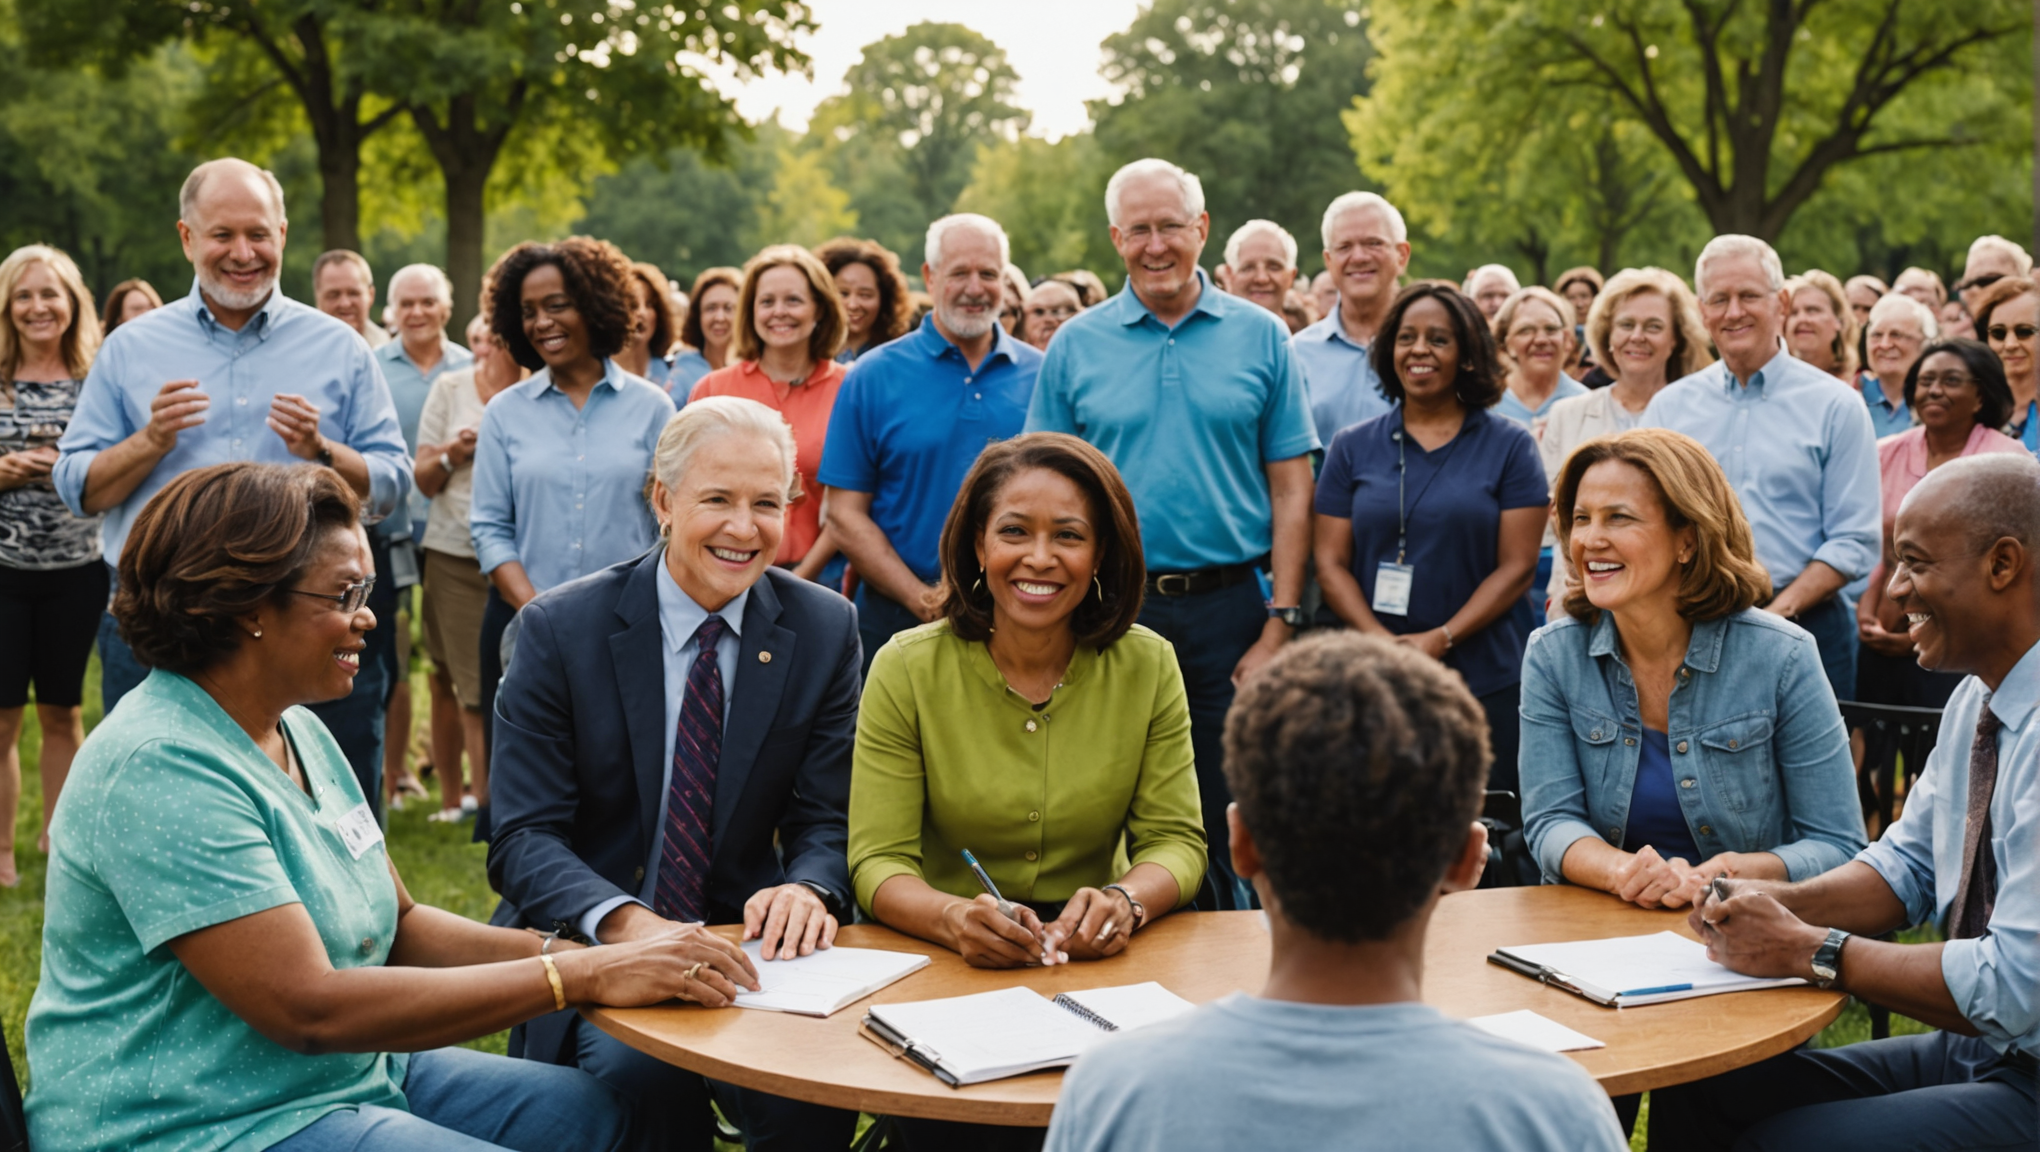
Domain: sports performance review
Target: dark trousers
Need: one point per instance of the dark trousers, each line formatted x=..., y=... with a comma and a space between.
x=496, y=617
x=1917, y=1093
x=1211, y=631
x=879, y=619
x=1505, y=736
x=1900, y=680
x=1833, y=624
x=671, y=1103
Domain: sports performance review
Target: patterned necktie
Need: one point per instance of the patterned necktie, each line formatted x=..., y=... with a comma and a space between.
x=690, y=796
x=1969, y=917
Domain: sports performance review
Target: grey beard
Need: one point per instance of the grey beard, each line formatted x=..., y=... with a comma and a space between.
x=964, y=327
x=232, y=298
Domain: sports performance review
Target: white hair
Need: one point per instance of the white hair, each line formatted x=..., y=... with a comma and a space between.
x=432, y=272
x=194, y=185
x=1897, y=305
x=1252, y=227
x=1507, y=273
x=1730, y=244
x=2021, y=259
x=1191, y=188
x=932, y=247
x=1354, y=201
x=710, y=418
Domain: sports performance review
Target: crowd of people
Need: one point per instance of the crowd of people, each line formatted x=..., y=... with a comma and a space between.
x=756, y=603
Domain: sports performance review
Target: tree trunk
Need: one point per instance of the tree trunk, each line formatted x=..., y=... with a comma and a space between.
x=340, y=187
x=466, y=152
x=465, y=219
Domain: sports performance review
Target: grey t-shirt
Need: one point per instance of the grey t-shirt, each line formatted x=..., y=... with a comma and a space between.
x=1251, y=1073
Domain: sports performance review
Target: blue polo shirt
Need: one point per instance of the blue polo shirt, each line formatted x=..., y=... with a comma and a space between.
x=910, y=420
x=1343, y=387
x=1887, y=417
x=1189, y=414
x=409, y=386
x=1455, y=499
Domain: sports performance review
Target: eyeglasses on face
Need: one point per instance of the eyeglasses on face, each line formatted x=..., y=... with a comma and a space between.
x=350, y=601
x=2022, y=331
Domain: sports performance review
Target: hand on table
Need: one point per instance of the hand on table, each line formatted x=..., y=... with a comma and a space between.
x=656, y=967
x=987, y=938
x=1752, y=933
x=1093, y=925
x=790, y=920
x=1651, y=881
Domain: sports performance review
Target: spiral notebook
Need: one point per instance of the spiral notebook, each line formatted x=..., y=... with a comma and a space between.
x=991, y=1035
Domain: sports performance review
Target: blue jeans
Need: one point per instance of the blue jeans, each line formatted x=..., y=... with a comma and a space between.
x=1833, y=624
x=467, y=1101
x=1936, y=1091
x=1211, y=631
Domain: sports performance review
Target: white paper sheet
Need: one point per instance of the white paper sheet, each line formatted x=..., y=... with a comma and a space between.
x=825, y=980
x=1528, y=1028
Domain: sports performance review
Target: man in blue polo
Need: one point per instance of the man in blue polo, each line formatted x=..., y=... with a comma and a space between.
x=1196, y=397
x=1367, y=246
x=910, y=420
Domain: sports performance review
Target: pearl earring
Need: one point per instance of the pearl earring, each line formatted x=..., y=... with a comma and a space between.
x=258, y=633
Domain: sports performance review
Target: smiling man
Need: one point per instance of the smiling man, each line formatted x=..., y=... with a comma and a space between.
x=1260, y=263
x=343, y=287
x=1965, y=856
x=1367, y=248
x=1195, y=396
x=1796, y=443
x=234, y=371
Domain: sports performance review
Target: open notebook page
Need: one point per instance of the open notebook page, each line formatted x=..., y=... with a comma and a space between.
x=1632, y=966
x=1131, y=1006
x=989, y=1035
x=824, y=980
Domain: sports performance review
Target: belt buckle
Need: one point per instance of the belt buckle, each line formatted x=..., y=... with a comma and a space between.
x=1162, y=584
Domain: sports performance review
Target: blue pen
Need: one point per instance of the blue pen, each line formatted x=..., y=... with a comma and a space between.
x=1005, y=906
x=1655, y=991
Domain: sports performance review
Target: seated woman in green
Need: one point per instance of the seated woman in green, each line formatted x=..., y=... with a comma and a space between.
x=1032, y=726
x=230, y=959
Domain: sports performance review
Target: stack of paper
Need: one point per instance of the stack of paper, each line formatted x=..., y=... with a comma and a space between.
x=825, y=980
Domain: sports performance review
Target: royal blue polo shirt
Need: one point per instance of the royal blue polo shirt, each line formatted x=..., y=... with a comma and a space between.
x=1190, y=415
x=1455, y=498
x=910, y=419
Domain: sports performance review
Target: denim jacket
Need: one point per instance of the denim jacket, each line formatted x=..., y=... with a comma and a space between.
x=1758, y=747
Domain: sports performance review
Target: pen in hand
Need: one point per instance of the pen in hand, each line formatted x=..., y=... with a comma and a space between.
x=1006, y=907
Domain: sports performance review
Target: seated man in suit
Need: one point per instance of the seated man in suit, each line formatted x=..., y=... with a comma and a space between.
x=1356, y=768
x=636, y=795
x=1965, y=855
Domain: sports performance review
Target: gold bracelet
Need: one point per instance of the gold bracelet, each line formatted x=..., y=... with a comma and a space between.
x=552, y=975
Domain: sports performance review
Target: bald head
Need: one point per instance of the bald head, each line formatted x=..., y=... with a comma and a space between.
x=1990, y=498
x=227, y=177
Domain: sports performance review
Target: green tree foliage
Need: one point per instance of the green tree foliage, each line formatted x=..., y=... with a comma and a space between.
x=905, y=132
x=1247, y=94
x=1050, y=198
x=684, y=213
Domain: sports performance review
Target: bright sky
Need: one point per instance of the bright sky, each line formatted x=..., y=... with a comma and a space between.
x=1052, y=44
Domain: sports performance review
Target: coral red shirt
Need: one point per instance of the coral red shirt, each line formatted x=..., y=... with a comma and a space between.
x=806, y=407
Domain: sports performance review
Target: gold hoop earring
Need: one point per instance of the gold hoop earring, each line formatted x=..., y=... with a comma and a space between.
x=1100, y=588
x=978, y=587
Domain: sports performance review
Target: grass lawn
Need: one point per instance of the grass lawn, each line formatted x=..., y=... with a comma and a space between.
x=440, y=866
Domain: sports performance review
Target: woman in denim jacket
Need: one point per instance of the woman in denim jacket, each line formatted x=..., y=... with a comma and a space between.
x=1672, y=731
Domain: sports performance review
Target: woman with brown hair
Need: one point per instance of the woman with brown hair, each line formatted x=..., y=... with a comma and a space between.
x=1672, y=731
x=2008, y=320
x=652, y=330
x=790, y=324
x=706, y=334
x=1822, y=328
x=876, y=304
x=52, y=581
x=129, y=299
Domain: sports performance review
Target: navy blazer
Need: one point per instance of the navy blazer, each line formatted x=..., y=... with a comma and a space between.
x=576, y=770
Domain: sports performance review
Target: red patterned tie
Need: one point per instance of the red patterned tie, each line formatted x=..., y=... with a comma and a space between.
x=690, y=796
x=1969, y=916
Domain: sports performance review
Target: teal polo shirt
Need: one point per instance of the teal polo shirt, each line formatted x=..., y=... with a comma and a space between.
x=172, y=821
x=1189, y=414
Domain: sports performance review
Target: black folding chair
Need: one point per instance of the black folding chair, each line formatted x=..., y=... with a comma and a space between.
x=1891, y=735
x=1510, y=863
x=13, y=1125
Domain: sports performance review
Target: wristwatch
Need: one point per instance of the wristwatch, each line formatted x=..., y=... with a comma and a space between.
x=325, y=453
x=1293, y=617
x=1827, y=959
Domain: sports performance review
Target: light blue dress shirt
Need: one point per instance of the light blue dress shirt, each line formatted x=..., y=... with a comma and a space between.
x=679, y=618
x=561, y=489
x=1797, y=447
x=1190, y=415
x=1520, y=412
x=1994, y=980
x=1343, y=387
x=285, y=347
x=1887, y=417
x=684, y=372
x=409, y=386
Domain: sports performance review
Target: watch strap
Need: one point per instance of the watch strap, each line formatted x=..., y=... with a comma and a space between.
x=1827, y=959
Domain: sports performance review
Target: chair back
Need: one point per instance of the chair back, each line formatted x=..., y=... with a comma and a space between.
x=1510, y=864
x=13, y=1123
x=1896, y=743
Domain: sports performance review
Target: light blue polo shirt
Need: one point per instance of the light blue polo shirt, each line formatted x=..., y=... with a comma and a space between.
x=1344, y=390
x=910, y=420
x=1887, y=417
x=1189, y=414
x=409, y=386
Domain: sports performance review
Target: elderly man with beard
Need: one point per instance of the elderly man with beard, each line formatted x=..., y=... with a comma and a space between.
x=234, y=371
x=910, y=420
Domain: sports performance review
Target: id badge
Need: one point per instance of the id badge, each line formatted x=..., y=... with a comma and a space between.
x=1392, y=583
x=358, y=830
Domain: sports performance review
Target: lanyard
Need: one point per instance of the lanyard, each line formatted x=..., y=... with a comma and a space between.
x=1402, y=470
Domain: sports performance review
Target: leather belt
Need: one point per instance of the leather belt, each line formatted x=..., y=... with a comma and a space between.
x=1201, y=581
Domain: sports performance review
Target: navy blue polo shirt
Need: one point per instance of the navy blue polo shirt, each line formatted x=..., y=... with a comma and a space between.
x=910, y=420
x=1455, y=498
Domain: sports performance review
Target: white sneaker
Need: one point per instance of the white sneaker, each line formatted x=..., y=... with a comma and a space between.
x=468, y=805
x=396, y=803
x=447, y=816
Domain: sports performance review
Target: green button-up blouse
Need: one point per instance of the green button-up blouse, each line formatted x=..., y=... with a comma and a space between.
x=1050, y=800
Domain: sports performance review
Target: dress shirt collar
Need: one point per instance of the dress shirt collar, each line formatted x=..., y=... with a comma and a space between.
x=1873, y=392
x=2016, y=697
x=395, y=350
x=1760, y=383
x=612, y=376
x=935, y=345
x=680, y=617
x=1703, y=651
x=261, y=323
x=1210, y=301
x=1329, y=330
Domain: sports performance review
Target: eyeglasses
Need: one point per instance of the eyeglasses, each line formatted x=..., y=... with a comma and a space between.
x=1943, y=380
x=2022, y=331
x=350, y=601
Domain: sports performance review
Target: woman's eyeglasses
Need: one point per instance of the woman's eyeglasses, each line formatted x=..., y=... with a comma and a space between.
x=350, y=601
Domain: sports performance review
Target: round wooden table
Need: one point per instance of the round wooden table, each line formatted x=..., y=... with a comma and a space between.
x=1204, y=956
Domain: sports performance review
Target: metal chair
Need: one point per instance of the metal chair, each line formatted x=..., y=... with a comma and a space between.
x=1891, y=734
x=13, y=1124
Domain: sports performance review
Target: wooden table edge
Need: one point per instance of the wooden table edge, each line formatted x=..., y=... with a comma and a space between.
x=1673, y=1074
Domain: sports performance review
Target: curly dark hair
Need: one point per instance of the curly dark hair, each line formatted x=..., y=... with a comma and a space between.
x=1122, y=568
x=1479, y=383
x=1993, y=394
x=598, y=279
x=654, y=284
x=895, y=309
x=1358, y=767
x=215, y=544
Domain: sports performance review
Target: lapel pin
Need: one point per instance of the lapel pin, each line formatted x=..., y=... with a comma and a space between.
x=764, y=657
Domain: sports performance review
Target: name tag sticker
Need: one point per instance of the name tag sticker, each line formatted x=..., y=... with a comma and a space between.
x=1392, y=583
x=358, y=830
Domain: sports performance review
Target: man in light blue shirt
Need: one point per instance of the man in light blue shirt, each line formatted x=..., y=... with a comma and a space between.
x=1795, y=442
x=1367, y=247
x=1964, y=856
x=1358, y=766
x=234, y=371
x=1195, y=397
x=1899, y=327
x=423, y=299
